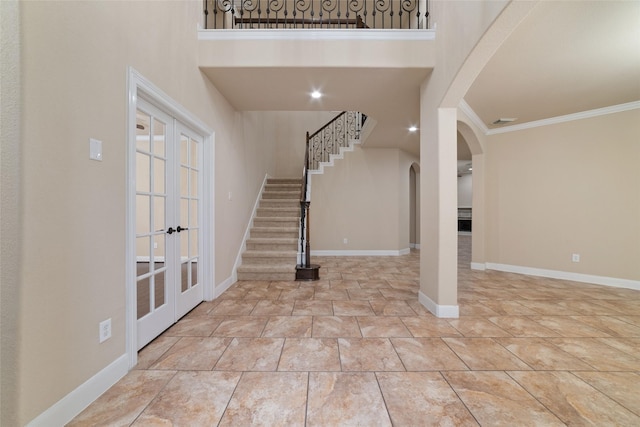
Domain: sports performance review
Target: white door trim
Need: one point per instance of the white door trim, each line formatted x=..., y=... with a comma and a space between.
x=139, y=86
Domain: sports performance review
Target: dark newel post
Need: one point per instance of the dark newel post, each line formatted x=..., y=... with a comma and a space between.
x=306, y=270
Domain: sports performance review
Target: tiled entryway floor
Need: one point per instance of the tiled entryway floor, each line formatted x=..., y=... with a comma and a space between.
x=356, y=348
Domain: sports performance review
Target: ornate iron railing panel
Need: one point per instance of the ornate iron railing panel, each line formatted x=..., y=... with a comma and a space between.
x=316, y=14
x=336, y=134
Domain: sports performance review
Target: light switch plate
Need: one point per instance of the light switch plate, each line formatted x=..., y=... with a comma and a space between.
x=95, y=149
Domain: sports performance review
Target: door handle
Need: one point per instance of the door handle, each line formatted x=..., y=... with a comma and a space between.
x=171, y=230
x=179, y=229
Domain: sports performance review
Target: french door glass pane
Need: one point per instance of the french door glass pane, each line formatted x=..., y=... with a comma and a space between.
x=159, y=174
x=143, y=297
x=143, y=167
x=159, y=130
x=143, y=214
x=159, y=287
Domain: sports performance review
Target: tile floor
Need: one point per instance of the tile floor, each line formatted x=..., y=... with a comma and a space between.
x=356, y=348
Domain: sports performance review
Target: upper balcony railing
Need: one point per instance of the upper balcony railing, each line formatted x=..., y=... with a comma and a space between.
x=316, y=14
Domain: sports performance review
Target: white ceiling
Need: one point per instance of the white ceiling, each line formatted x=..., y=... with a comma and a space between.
x=566, y=57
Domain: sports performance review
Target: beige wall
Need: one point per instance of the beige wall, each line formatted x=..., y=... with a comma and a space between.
x=291, y=131
x=567, y=188
x=363, y=198
x=74, y=71
x=10, y=209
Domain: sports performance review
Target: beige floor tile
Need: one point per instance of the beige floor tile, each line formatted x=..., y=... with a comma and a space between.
x=154, y=350
x=610, y=325
x=344, y=284
x=522, y=326
x=233, y=308
x=391, y=308
x=547, y=308
x=263, y=293
x=297, y=294
x=268, y=399
x=345, y=399
x=574, y=401
x=427, y=354
x=407, y=394
x=495, y=399
x=352, y=308
x=567, y=326
x=193, y=353
x=251, y=354
x=597, y=354
x=191, y=399
x=626, y=345
x=575, y=335
x=241, y=326
x=310, y=354
x=542, y=355
x=429, y=326
x=478, y=327
x=399, y=294
x=335, y=327
x=484, y=354
x=373, y=326
x=633, y=320
x=368, y=354
x=288, y=327
x=623, y=387
x=313, y=308
x=200, y=326
x=364, y=294
x=508, y=308
x=331, y=295
x=273, y=308
x=122, y=403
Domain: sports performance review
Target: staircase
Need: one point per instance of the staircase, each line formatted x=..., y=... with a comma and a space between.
x=272, y=247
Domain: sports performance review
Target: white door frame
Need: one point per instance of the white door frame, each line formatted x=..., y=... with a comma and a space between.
x=138, y=86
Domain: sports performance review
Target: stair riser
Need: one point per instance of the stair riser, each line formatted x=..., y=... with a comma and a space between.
x=282, y=187
x=274, y=234
x=269, y=260
x=266, y=222
x=272, y=246
x=262, y=213
x=280, y=204
x=272, y=181
x=281, y=195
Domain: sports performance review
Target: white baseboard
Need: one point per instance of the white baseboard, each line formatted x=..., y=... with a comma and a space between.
x=564, y=275
x=75, y=402
x=390, y=252
x=442, y=311
x=478, y=266
x=243, y=246
x=414, y=245
x=225, y=284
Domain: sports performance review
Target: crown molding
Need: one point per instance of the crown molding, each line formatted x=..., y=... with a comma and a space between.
x=466, y=108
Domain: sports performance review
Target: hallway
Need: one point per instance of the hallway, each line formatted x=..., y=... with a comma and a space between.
x=357, y=348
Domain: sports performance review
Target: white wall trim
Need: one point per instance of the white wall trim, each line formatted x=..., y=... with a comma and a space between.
x=389, y=252
x=324, y=34
x=243, y=246
x=226, y=284
x=466, y=108
x=478, y=266
x=75, y=402
x=566, y=275
x=442, y=311
x=546, y=122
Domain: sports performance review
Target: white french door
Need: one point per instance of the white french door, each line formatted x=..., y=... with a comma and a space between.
x=168, y=211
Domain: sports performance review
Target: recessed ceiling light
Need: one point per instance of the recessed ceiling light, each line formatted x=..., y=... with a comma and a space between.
x=316, y=94
x=413, y=129
x=502, y=121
